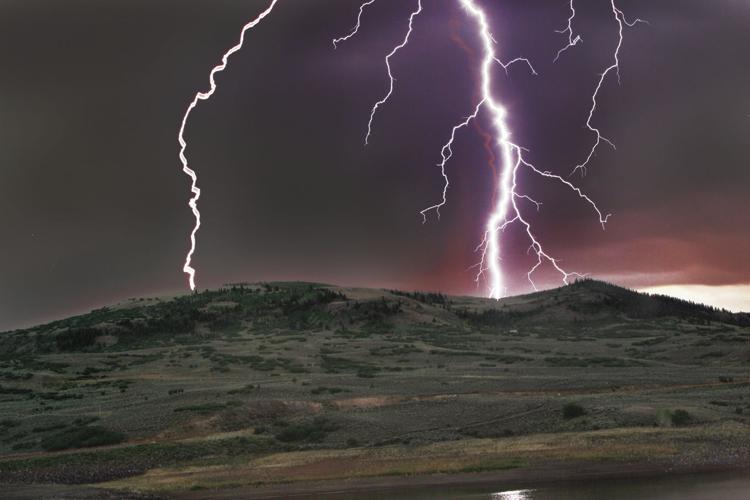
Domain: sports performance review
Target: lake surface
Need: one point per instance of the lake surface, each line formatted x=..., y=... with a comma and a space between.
x=719, y=486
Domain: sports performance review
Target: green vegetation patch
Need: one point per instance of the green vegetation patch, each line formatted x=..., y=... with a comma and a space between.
x=49, y=427
x=114, y=463
x=572, y=410
x=7, y=423
x=208, y=407
x=681, y=418
x=492, y=464
x=16, y=375
x=327, y=390
x=333, y=364
x=247, y=389
x=82, y=437
x=15, y=390
x=606, y=362
x=313, y=431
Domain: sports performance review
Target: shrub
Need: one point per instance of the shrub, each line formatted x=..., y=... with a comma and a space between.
x=244, y=390
x=50, y=427
x=24, y=445
x=208, y=407
x=7, y=423
x=76, y=339
x=82, y=437
x=329, y=390
x=573, y=410
x=367, y=372
x=314, y=431
x=81, y=421
x=680, y=418
x=352, y=443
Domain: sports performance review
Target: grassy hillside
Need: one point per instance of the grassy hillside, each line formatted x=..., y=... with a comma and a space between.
x=282, y=381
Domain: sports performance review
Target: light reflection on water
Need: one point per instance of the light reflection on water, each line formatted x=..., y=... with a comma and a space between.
x=710, y=486
x=512, y=495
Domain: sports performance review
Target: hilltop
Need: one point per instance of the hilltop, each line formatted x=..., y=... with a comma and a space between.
x=257, y=384
x=303, y=305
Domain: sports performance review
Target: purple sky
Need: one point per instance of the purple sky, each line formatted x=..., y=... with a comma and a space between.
x=93, y=203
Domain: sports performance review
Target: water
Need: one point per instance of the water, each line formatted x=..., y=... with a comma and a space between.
x=722, y=486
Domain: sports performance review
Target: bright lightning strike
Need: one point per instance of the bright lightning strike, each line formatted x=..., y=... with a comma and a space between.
x=356, y=26
x=204, y=96
x=507, y=210
x=447, y=150
x=491, y=252
x=622, y=22
x=507, y=197
x=390, y=74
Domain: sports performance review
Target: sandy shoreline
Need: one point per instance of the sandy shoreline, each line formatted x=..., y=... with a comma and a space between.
x=535, y=474
x=502, y=480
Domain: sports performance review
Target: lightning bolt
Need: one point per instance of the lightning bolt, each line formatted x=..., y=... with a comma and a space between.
x=446, y=152
x=507, y=210
x=486, y=137
x=390, y=74
x=573, y=40
x=507, y=196
x=204, y=96
x=622, y=22
x=354, y=30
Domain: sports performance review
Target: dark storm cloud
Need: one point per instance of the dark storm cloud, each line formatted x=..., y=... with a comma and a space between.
x=93, y=204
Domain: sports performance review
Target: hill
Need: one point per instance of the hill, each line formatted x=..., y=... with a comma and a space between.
x=259, y=384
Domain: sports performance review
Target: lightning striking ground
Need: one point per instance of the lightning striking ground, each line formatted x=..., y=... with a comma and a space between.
x=204, y=96
x=507, y=210
x=507, y=195
x=390, y=74
x=622, y=22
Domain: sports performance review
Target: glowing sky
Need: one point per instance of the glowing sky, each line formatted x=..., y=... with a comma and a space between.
x=92, y=201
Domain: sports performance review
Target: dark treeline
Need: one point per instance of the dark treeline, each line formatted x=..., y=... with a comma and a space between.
x=220, y=310
x=646, y=306
x=424, y=297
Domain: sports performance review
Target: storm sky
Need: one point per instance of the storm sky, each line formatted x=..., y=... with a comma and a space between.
x=93, y=204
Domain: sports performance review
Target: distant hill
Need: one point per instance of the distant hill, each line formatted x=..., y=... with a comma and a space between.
x=307, y=304
x=588, y=299
x=268, y=383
